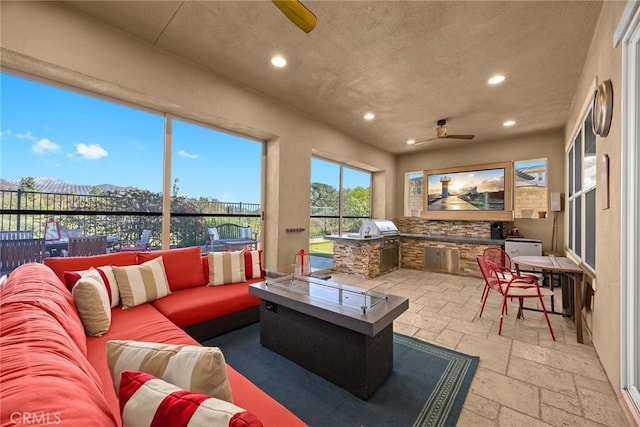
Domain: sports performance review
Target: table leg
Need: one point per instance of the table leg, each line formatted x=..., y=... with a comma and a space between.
x=577, y=308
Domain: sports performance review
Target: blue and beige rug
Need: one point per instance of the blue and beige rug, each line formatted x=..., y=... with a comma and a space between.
x=427, y=386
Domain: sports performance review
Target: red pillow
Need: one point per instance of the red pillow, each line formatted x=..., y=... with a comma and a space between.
x=253, y=264
x=148, y=401
x=183, y=266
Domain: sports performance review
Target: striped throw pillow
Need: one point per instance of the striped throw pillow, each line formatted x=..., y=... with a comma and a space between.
x=226, y=267
x=149, y=401
x=106, y=272
x=194, y=368
x=142, y=283
x=92, y=301
x=253, y=264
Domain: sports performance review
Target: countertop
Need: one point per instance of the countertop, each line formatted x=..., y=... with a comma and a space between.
x=431, y=237
x=354, y=237
x=453, y=239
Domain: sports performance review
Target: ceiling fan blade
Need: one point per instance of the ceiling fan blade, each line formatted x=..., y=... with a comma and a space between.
x=459, y=136
x=422, y=141
x=297, y=13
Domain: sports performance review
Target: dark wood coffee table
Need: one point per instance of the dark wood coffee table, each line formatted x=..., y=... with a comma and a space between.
x=340, y=332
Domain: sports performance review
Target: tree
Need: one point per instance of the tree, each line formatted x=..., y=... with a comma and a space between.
x=27, y=184
x=324, y=196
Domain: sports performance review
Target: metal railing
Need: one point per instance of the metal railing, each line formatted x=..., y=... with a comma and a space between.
x=123, y=215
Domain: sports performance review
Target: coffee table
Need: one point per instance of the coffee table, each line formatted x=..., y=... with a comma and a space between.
x=340, y=332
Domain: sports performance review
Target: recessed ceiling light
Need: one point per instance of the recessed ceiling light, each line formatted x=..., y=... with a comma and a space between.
x=369, y=116
x=497, y=79
x=411, y=141
x=509, y=123
x=278, y=61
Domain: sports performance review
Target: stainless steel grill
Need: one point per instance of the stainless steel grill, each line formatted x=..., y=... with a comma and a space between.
x=378, y=227
x=390, y=246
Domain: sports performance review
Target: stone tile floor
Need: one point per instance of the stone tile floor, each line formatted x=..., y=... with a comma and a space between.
x=524, y=378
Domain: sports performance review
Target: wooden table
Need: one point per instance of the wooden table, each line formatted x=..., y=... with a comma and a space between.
x=561, y=265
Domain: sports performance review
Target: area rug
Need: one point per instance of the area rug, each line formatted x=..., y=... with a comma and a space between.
x=427, y=386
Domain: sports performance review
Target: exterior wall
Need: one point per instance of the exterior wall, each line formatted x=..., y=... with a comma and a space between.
x=549, y=145
x=55, y=42
x=603, y=316
x=527, y=199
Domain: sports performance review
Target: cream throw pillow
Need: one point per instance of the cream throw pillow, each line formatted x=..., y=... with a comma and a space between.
x=226, y=267
x=92, y=301
x=142, y=283
x=197, y=369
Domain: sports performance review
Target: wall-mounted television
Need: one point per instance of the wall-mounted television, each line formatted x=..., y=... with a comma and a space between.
x=475, y=192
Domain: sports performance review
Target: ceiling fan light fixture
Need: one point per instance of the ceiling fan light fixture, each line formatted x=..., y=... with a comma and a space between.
x=297, y=13
x=509, y=123
x=278, y=61
x=495, y=80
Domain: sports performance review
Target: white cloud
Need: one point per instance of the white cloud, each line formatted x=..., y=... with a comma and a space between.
x=5, y=133
x=91, y=152
x=186, y=155
x=27, y=135
x=44, y=146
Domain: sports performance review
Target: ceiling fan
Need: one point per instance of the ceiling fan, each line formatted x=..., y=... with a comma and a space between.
x=297, y=13
x=441, y=133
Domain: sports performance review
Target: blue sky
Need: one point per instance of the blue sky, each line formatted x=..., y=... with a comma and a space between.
x=46, y=131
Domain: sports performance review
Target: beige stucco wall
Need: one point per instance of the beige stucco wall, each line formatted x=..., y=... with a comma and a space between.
x=549, y=145
x=604, y=62
x=59, y=43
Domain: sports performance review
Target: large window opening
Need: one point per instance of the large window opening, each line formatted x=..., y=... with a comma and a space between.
x=340, y=202
x=95, y=167
x=581, y=193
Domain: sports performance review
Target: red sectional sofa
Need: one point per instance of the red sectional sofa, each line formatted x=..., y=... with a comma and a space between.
x=52, y=373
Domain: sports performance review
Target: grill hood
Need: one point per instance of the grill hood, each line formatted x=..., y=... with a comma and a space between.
x=378, y=227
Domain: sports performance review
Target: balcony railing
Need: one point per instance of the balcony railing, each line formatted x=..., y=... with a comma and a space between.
x=122, y=215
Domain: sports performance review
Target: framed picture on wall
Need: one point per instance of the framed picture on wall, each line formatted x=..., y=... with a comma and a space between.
x=474, y=192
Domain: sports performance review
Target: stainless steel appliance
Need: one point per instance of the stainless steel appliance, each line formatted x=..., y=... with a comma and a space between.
x=390, y=246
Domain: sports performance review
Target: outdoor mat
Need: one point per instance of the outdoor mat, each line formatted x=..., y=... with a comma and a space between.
x=427, y=386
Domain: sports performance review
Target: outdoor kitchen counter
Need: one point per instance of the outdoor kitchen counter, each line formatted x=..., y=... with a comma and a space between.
x=352, y=237
x=357, y=255
x=454, y=239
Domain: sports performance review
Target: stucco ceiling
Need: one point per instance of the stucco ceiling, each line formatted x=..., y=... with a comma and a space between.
x=410, y=63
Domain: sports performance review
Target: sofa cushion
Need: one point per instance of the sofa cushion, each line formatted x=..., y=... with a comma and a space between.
x=226, y=267
x=253, y=264
x=108, y=278
x=183, y=266
x=36, y=285
x=42, y=370
x=149, y=401
x=142, y=283
x=194, y=368
x=61, y=264
x=91, y=299
x=192, y=306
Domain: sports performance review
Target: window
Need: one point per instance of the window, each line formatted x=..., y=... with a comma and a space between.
x=530, y=189
x=581, y=194
x=340, y=202
x=413, y=193
x=96, y=168
x=215, y=175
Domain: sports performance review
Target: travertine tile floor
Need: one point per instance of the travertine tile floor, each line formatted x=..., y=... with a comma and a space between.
x=523, y=378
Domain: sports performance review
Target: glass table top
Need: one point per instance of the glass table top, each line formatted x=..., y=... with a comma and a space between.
x=349, y=296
